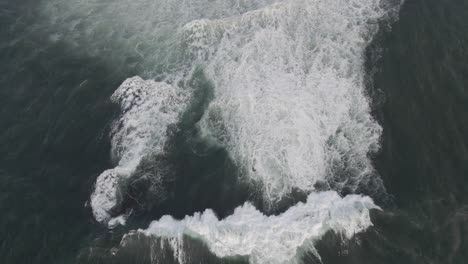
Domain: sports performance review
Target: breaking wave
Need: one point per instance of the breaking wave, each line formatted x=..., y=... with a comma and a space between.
x=268, y=239
x=148, y=109
x=290, y=101
x=265, y=239
x=289, y=106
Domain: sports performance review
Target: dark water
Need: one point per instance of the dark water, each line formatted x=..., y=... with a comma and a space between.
x=55, y=117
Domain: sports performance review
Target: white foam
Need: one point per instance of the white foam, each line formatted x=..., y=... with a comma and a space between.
x=148, y=109
x=107, y=194
x=290, y=106
x=116, y=221
x=290, y=96
x=267, y=239
x=151, y=30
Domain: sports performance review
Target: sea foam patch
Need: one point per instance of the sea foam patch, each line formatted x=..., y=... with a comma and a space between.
x=265, y=239
x=148, y=109
x=289, y=106
x=290, y=102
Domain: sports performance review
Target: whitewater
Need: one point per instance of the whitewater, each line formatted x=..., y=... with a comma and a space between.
x=290, y=107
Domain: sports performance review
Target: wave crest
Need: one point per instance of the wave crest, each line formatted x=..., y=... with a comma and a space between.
x=265, y=239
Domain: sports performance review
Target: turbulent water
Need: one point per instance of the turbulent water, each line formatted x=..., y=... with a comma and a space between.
x=243, y=131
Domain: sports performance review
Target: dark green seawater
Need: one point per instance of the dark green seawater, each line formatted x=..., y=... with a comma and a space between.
x=55, y=117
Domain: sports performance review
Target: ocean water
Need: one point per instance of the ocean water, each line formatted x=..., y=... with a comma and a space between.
x=233, y=131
